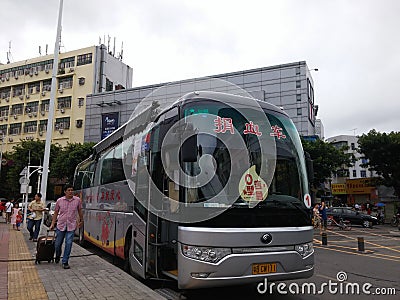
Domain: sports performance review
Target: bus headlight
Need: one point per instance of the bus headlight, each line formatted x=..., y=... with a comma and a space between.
x=304, y=249
x=206, y=254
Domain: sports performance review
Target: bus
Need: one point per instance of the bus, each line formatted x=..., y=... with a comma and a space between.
x=210, y=191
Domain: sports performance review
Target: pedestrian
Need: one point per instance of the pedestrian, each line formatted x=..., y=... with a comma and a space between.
x=15, y=211
x=66, y=211
x=316, y=217
x=9, y=210
x=19, y=219
x=35, y=219
x=323, y=215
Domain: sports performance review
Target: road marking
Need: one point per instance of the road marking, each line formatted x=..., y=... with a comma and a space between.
x=356, y=249
x=360, y=254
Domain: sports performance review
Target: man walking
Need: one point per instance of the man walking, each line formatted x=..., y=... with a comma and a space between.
x=35, y=219
x=65, y=213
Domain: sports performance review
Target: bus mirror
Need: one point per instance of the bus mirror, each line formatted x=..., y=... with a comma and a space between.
x=310, y=167
x=189, y=149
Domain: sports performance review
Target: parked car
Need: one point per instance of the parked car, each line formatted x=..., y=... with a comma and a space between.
x=48, y=213
x=355, y=217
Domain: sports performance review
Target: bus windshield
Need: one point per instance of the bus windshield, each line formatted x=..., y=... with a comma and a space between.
x=264, y=194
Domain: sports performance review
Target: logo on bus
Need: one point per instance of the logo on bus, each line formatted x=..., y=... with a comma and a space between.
x=266, y=238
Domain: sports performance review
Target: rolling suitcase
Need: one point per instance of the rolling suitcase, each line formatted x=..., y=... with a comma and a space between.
x=45, y=247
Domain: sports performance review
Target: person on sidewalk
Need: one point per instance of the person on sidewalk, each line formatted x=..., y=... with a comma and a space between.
x=66, y=211
x=9, y=210
x=18, y=219
x=35, y=219
x=14, y=215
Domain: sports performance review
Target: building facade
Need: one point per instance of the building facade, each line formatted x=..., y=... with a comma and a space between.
x=25, y=88
x=354, y=184
x=289, y=86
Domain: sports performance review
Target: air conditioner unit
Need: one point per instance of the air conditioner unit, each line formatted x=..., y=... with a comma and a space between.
x=5, y=118
x=26, y=72
x=47, y=71
x=40, y=133
x=3, y=79
x=43, y=93
x=79, y=123
x=7, y=78
x=30, y=115
x=27, y=96
x=36, y=73
x=1, y=118
x=16, y=77
x=42, y=112
x=10, y=139
x=21, y=97
x=60, y=90
x=15, y=117
x=62, y=110
x=37, y=89
x=35, y=114
x=31, y=74
x=71, y=70
x=7, y=99
x=61, y=131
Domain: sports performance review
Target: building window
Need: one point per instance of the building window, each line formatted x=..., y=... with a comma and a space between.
x=297, y=70
x=42, y=125
x=354, y=173
x=298, y=97
x=64, y=102
x=353, y=147
x=15, y=128
x=299, y=111
x=44, y=106
x=363, y=173
x=68, y=62
x=65, y=83
x=17, y=109
x=298, y=84
x=81, y=101
x=47, y=85
x=3, y=130
x=30, y=127
x=109, y=85
x=32, y=107
x=84, y=59
x=34, y=88
x=4, y=111
x=62, y=123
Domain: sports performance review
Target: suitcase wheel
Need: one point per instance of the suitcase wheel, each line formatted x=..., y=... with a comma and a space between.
x=37, y=262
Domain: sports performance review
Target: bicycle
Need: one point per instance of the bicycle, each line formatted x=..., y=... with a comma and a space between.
x=342, y=224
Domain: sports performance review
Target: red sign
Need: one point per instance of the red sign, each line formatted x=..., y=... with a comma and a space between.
x=223, y=125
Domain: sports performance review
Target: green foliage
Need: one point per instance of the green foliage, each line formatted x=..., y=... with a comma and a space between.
x=62, y=164
x=382, y=151
x=23, y=153
x=71, y=155
x=326, y=159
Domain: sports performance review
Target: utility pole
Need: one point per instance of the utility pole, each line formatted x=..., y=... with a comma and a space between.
x=49, y=131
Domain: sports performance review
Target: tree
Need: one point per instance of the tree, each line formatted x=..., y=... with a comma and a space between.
x=382, y=152
x=23, y=153
x=326, y=159
x=70, y=156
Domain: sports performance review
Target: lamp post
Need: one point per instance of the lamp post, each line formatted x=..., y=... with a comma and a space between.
x=26, y=173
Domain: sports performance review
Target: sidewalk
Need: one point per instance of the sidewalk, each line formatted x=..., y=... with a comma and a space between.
x=90, y=277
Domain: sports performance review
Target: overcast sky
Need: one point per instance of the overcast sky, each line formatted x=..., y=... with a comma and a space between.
x=355, y=44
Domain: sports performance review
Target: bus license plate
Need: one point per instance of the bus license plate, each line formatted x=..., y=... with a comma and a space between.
x=264, y=268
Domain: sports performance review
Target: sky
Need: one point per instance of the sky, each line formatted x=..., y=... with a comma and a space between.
x=355, y=44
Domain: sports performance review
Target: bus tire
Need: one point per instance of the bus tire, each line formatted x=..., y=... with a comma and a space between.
x=127, y=246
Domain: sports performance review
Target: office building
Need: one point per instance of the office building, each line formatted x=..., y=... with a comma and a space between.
x=289, y=86
x=25, y=93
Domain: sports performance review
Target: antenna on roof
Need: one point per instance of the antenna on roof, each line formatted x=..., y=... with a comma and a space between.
x=114, y=47
x=9, y=56
x=40, y=50
x=122, y=51
x=47, y=46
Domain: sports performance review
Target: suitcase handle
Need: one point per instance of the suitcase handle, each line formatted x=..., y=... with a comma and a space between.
x=48, y=231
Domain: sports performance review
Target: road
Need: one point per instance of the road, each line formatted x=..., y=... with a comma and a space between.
x=377, y=270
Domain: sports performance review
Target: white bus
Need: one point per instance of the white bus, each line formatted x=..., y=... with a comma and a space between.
x=211, y=191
